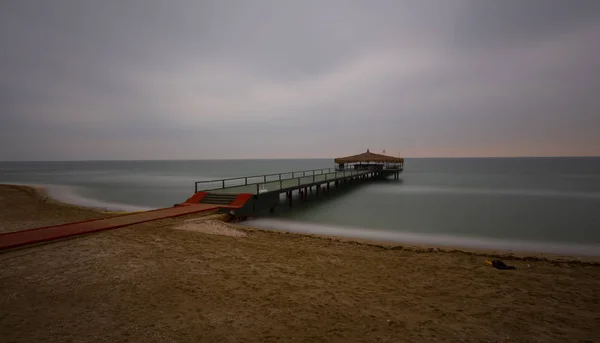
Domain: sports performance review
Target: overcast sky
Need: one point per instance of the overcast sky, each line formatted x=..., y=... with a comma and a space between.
x=149, y=79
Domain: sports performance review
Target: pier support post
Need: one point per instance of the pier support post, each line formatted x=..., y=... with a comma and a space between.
x=317, y=189
x=327, y=187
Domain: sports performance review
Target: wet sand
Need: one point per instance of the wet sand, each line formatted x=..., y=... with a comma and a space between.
x=183, y=280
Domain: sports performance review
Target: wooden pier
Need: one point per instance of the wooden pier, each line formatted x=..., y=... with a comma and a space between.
x=265, y=190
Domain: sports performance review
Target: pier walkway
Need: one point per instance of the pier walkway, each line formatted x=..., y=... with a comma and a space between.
x=48, y=233
x=277, y=182
x=265, y=190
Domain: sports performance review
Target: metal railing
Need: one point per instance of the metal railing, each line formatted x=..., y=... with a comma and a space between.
x=307, y=180
x=393, y=166
x=280, y=180
x=287, y=179
x=386, y=166
x=256, y=179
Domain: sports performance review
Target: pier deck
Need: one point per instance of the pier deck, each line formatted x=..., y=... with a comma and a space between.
x=278, y=182
x=265, y=190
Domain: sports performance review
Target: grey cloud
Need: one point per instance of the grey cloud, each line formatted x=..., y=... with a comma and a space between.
x=142, y=79
x=502, y=24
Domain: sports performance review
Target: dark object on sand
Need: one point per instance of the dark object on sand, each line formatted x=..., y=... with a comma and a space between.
x=499, y=264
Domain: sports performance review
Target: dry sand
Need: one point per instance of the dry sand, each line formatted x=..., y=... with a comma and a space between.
x=157, y=282
x=210, y=226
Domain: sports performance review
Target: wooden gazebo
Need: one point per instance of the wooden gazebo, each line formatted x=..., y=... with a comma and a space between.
x=369, y=160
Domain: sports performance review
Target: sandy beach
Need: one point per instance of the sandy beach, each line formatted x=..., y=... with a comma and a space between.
x=194, y=279
x=28, y=207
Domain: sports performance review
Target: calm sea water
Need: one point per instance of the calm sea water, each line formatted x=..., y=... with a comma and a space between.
x=541, y=204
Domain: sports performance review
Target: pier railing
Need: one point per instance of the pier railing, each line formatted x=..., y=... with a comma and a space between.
x=387, y=166
x=288, y=180
x=257, y=179
x=305, y=181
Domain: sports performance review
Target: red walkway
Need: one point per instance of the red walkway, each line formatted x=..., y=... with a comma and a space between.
x=18, y=238
x=42, y=234
x=47, y=233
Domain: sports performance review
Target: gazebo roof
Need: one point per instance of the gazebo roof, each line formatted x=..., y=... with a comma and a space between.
x=369, y=157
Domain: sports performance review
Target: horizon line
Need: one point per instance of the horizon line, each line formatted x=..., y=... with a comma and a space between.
x=287, y=158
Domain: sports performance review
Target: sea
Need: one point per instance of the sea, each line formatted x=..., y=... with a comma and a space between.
x=543, y=205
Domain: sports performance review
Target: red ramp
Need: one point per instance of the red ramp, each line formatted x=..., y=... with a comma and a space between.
x=47, y=233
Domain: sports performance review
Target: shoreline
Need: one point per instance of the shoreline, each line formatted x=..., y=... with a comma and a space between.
x=354, y=234
x=509, y=254
x=26, y=207
x=430, y=248
x=45, y=192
